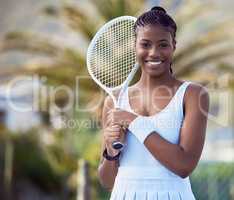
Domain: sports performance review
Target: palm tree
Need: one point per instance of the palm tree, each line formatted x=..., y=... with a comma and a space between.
x=197, y=30
x=64, y=65
x=203, y=43
x=208, y=37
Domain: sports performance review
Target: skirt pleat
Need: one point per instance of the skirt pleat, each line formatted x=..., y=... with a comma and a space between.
x=152, y=195
x=146, y=190
x=134, y=195
x=150, y=188
x=186, y=195
x=131, y=195
x=163, y=195
x=141, y=195
x=174, y=196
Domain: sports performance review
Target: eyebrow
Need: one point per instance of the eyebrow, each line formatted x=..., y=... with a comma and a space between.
x=162, y=40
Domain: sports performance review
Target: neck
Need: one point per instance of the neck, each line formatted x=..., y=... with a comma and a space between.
x=149, y=82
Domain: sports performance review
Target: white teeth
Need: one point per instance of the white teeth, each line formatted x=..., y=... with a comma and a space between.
x=155, y=62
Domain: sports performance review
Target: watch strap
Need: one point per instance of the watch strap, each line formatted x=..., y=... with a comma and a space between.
x=110, y=158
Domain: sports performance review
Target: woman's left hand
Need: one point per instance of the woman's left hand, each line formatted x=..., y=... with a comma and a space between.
x=120, y=117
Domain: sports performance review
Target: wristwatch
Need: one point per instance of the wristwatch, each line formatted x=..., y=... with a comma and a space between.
x=110, y=158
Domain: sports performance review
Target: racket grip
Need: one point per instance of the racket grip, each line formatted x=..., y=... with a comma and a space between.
x=117, y=145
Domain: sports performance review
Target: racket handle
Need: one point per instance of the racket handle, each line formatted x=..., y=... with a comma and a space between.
x=117, y=145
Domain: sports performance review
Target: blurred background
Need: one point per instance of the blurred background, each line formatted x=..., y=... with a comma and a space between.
x=50, y=136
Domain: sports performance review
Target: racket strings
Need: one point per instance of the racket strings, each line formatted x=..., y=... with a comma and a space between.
x=113, y=55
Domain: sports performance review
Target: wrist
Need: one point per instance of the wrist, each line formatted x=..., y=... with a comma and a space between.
x=112, y=152
x=109, y=157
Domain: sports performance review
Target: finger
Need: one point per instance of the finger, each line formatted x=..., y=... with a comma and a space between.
x=110, y=111
x=112, y=123
x=124, y=128
x=115, y=126
x=115, y=119
x=113, y=134
x=112, y=139
x=112, y=119
x=117, y=133
x=108, y=122
x=109, y=137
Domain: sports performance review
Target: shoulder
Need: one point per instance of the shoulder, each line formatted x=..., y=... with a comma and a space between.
x=196, y=95
x=196, y=90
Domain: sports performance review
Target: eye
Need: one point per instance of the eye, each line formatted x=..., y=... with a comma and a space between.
x=163, y=45
x=145, y=45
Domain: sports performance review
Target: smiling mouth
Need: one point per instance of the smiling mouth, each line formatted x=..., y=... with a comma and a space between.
x=154, y=62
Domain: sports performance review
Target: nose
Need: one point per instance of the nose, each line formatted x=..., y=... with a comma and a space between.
x=154, y=52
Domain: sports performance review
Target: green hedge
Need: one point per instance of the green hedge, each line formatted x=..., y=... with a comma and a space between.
x=213, y=181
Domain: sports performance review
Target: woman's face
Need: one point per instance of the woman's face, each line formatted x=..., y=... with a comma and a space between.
x=154, y=49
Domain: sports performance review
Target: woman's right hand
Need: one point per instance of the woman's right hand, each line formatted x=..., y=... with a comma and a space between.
x=111, y=134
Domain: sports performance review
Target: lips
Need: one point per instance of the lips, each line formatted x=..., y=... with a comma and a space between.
x=153, y=63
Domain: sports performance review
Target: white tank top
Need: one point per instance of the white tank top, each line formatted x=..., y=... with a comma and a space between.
x=136, y=160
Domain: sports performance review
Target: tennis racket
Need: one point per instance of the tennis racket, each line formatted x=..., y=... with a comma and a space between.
x=111, y=58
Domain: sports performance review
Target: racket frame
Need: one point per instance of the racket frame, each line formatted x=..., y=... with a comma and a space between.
x=122, y=87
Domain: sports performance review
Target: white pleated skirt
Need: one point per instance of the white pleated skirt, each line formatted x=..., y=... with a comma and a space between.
x=144, y=187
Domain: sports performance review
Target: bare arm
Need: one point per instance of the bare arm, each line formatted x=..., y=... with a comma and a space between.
x=183, y=158
x=107, y=170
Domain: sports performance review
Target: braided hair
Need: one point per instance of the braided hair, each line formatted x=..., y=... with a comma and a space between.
x=157, y=16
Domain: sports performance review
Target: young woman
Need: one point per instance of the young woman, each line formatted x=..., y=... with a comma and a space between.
x=165, y=120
